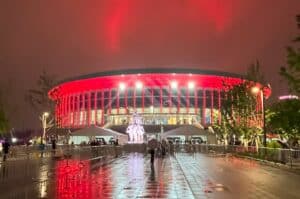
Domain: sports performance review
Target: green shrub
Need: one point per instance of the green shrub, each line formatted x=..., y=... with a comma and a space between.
x=273, y=144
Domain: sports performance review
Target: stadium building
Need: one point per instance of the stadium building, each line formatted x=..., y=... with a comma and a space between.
x=163, y=97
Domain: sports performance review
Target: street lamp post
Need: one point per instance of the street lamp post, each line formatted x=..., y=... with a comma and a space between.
x=258, y=90
x=44, y=123
x=264, y=117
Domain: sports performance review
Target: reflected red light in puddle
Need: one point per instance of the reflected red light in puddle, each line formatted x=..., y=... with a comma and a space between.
x=74, y=179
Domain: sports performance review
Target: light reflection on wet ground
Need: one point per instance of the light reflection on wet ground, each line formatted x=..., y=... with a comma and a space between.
x=131, y=176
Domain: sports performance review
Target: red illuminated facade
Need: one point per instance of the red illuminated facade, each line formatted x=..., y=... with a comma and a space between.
x=161, y=96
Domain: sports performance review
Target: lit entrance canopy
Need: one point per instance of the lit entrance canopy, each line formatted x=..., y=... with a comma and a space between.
x=96, y=131
x=191, y=130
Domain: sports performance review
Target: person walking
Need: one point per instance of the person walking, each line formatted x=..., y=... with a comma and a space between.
x=6, y=147
x=152, y=153
x=42, y=148
x=53, y=142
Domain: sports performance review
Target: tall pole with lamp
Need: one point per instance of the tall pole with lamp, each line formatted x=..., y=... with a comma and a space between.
x=44, y=123
x=260, y=90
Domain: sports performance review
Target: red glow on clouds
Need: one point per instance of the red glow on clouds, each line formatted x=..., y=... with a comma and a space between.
x=215, y=12
x=115, y=23
x=163, y=16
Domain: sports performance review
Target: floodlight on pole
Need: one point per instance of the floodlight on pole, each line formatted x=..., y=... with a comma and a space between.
x=46, y=114
x=44, y=123
x=174, y=84
x=255, y=90
x=191, y=85
x=139, y=85
x=122, y=86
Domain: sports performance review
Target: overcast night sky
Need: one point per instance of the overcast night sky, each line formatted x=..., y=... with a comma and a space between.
x=69, y=38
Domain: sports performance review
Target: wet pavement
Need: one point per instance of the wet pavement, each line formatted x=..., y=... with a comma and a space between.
x=131, y=176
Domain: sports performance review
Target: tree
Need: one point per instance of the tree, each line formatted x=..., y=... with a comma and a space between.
x=38, y=97
x=254, y=73
x=239, y=113
x=284, y=119
x=291, y=72
x=4, y=123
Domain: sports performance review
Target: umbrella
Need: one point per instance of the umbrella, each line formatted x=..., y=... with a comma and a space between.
x=153, y=143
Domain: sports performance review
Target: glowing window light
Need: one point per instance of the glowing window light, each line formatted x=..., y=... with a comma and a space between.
x=122, y=86
x=174, y=84
x=139, y=85
x=191, y=85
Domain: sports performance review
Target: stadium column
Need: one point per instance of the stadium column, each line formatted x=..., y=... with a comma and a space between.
x=69, y=111
x=152, y=97
x=84, y=110
x=212, y=107
x=178, y=102
x=73, y=110
x=203, y=106
x=78, y=111
x=65, y=111
x=89, y=108
x=126, y=102
x=118, y=101
x=102, y=108
x=160, y=98
x=61, y=111
x=187, y=101
x=143, y=99
x=109, y=102
x=95, y=107
x=134, y=99
x=196, y=101
x=219, y=105
x=56, y=114
x=170, y=100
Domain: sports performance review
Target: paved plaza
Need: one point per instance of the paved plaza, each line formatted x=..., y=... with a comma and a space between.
x=131, y=176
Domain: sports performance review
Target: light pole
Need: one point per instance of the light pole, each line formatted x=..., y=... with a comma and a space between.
x=44, y=123
x=258, y=90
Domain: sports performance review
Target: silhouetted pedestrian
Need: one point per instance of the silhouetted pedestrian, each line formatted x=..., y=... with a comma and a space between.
x=42, y=148
x=5, y=147
x=152, y=152
x=53, y=142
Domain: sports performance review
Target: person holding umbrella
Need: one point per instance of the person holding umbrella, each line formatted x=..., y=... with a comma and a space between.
x=6, y=147
x=152, y=145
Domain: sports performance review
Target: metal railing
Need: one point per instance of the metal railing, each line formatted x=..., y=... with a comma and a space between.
x=62, y=151
x=290, y=157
